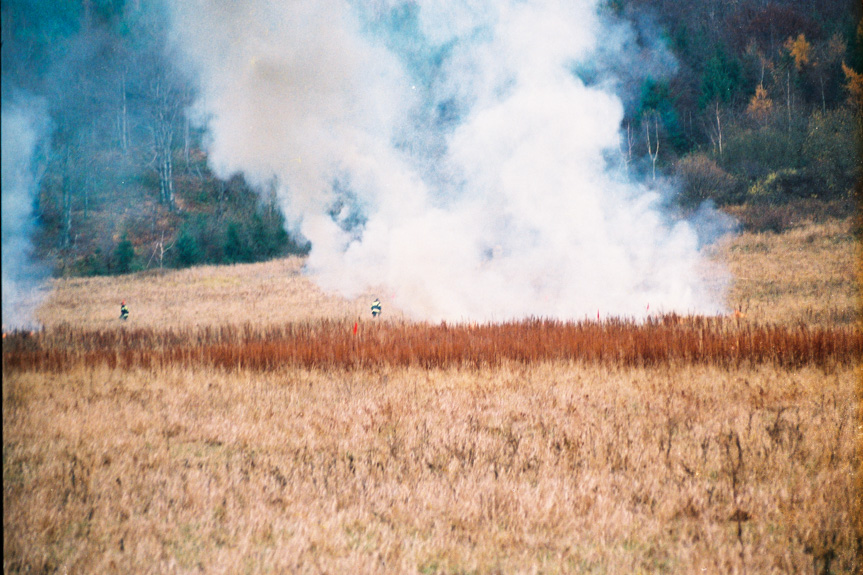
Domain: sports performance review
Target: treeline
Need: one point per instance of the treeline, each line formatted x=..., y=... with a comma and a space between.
x=762, y=107
x=124, y=183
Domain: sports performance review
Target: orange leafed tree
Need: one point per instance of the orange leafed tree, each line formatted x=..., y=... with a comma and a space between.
x=800, y=49
x=760, y=105
x=854, y=85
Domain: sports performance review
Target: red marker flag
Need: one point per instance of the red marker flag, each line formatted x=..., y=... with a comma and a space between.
x=355, y=328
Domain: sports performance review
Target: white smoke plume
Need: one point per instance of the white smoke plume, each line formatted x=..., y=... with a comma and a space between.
x=444, y=152
x=25, y=123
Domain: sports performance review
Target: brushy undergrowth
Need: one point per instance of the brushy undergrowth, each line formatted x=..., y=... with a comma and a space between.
x=338, y=344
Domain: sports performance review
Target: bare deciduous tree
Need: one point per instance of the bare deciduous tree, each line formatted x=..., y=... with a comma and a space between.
x=167, y=101
x=627, y=153
x=651, y=151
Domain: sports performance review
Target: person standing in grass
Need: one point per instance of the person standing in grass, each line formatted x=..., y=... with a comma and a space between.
x=124, y=311
x=376, y=307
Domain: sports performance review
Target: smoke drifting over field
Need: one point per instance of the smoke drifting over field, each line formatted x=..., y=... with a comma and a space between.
x=24, y=125
x=447, y=153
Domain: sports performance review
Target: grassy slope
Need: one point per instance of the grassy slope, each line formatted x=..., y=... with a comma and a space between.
x=272, y=292
x=553, y=467
x=809, y=274
x=803, y=275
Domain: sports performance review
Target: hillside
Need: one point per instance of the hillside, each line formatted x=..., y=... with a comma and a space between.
x=755, y=105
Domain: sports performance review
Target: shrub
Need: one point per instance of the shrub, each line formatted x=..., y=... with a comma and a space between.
x=831, y=152
x=752, y=153
x=123, y=255
x=236, y=249
x=765, y=217
x=701, y=179
x=781, y=186
x=187, y=248
x=659, y=340
x=92, y=264
x=269, y=236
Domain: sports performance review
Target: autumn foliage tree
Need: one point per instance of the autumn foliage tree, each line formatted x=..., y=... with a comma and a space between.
x=854, y=86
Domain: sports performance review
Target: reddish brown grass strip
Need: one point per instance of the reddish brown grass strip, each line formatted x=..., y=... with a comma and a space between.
x=325, y=344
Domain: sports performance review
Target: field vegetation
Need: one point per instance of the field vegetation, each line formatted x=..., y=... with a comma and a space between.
x=236, y=423
x=552, y=467
x=669, y=339
x=809, y=274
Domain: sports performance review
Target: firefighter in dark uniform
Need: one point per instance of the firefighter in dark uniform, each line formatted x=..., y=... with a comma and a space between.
x=376, y=308
x=124, y=311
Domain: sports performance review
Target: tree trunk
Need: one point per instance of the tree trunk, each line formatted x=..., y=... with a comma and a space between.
x=124, y=116
x=169, y=180
x=163, y=140
x=221, y=206
x=187, y=144
x=66, y=189
x=166, y=177
x=653, y=153
x=86, y=192
x=719, y=128
x=823, y=98
x=627, y=154
x=788, y=98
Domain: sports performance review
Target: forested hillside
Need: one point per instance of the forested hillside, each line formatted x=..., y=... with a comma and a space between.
x=745, y=102
x=124, y=182
x=764, y=104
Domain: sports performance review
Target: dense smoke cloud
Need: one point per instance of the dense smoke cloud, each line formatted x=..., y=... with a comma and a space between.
x=25, y=124
x=448, y=154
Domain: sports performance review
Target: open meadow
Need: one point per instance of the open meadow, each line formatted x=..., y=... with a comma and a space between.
x=237, y=423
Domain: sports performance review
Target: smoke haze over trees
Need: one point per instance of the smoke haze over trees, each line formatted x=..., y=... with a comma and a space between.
x=753, y=102
x=763, y=95
x=124, y=162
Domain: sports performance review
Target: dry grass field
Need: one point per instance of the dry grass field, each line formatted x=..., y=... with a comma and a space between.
x=182, y=463
x=271, y=293
x=804, y=275
x=809, y=274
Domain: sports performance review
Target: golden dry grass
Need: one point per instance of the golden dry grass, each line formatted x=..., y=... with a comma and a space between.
x=269, y=293
x=809, y=274
x=804, y=275
x=548, y=467
x=522, y=467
